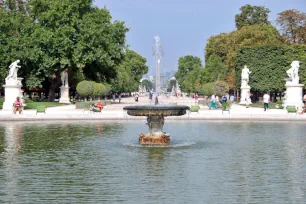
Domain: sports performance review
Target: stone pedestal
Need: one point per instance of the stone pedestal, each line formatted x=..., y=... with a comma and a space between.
x=294, y=95
x=244, y=91
x=154, y=139
x=156, y=135
x=64, y=94
x=12, y=90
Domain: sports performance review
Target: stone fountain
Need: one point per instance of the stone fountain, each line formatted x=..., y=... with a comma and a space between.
x=155, y=120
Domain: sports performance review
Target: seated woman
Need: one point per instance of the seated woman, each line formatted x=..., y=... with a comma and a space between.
x=99, y=105
x=17, y=106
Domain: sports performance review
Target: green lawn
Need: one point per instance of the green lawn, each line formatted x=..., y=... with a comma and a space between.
x=33, y=105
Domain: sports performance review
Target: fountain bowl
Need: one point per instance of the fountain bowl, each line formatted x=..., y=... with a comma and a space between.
x=163, y=110
x=155, y=120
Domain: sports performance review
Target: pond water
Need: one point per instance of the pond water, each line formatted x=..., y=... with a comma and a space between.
x=207, y=162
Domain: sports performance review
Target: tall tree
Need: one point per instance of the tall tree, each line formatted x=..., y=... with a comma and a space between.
x=215, y=69
x=293, y=26
x=54, y=35
x=187, y=64
x=129, y=72
x=252, y=15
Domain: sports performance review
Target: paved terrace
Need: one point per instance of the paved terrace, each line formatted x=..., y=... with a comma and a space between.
x=116, y=112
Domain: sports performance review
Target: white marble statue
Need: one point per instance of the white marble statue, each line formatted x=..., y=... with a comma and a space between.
x=13, y=71
x=293, y=72
x=64, y=78
x=245, y=76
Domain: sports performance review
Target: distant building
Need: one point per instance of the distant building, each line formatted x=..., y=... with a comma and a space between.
x=163, y=81
x=152, y=79
x=168, y=75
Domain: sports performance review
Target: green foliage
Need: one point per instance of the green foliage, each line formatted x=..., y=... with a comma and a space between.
x=207, y=89
x=34, y=105
x=129, y=72
x=293, y=26
x=252, y=15
x=220, y=88
x=147, y=83
x=226, y=106
x=1, y=102
x=96, y=89
x=85, y=88
x=187, y=67
x=226, y=46
x=268, y=65
x=52, y=35
x=215, y=68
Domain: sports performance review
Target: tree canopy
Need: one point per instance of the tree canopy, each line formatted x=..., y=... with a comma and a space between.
x=129, y=72
x=268, y=65
x=187, y=66
x=252, y=15
x=293, y=26
x=226, y=45
x=49, y=36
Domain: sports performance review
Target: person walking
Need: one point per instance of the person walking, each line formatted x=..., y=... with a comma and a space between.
x=266, y=99
x=224, y=99
x=196, y=98
x=119, y=97
x=212, y=102
x=232, y=98
x=114, y=97
x=136, y=97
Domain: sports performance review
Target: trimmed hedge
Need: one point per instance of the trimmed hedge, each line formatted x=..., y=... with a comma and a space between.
x=269, y=64
x=91, y=88
x=85, y=88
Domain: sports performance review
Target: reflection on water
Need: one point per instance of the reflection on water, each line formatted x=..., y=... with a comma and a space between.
x=207, y=162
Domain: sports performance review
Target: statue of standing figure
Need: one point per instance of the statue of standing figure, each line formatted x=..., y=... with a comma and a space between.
x=293, y=72
x=64, y=78
x=13, y=70
x=245, y=76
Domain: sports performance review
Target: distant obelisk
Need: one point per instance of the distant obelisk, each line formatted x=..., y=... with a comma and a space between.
x=158, y=53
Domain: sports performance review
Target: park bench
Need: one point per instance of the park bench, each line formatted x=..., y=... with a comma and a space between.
x=291, y=109
x=195, y=108
x=41, y=109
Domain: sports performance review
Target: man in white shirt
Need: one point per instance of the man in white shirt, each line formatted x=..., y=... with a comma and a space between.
x=266, y=99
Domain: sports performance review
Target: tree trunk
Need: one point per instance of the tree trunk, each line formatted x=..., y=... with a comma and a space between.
x=51, y=96
x=54, y=82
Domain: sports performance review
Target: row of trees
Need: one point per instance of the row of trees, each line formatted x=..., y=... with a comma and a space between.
x=253, y=30
x=50, y=36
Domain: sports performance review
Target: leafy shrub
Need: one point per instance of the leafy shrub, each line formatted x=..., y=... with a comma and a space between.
x=96, y=89
x=102, y=90
x=85, y=88
x=220, y=88
x=207, y=89
x=27, y=100
x=1, y=102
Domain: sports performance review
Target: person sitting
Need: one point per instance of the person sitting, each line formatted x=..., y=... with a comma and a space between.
x=17, y=106
x=99, y=105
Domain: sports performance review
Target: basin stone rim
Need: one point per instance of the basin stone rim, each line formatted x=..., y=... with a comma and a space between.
x=156, y=107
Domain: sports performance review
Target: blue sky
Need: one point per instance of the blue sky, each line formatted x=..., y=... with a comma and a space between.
x=183, y=26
